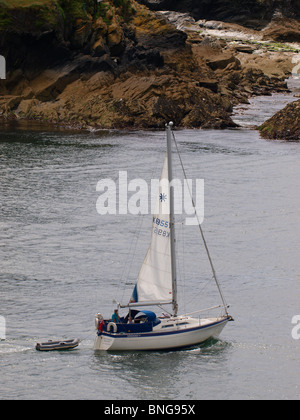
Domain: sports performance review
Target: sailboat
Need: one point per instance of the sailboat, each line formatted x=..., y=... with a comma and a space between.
x=156, y=285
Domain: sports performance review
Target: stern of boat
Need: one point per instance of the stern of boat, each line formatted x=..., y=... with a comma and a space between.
x=103, y=342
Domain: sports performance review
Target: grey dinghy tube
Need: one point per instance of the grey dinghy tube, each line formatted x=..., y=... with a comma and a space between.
x=58, y=345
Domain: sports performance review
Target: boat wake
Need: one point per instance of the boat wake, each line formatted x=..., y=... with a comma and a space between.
x=12, y=348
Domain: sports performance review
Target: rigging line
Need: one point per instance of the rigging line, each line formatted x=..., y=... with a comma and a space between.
x=125, y=278
x=137, y=236
x=164, y=309
x=201, y=231
x=182, y=272
x=200, y=292
x=85, y=338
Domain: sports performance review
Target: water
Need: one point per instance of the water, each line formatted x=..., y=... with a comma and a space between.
x=61, y=262
x=264, y=107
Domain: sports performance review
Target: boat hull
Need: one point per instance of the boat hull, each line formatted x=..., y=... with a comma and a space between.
x=185, y=337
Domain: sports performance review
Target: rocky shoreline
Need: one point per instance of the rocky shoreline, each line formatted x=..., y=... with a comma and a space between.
x=125, y=66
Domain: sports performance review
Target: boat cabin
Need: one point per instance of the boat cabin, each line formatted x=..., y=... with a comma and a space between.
x=142, y=321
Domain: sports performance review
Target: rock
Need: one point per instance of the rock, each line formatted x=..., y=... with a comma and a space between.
x=285, y=125
x=9, y=103
x=210, y=24
x=182, y=21
x=212, y=84
x=81, y=33
x=100, y=48
x=115, y=39
x=282, y=30
x=51, y=83
x=25, y=107
x=247, y=49
x=157, y=4
x=223, y=61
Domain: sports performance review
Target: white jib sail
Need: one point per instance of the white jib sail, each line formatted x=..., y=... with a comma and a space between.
x=154, y=282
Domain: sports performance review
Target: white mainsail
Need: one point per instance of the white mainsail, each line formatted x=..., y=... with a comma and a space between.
x=154, y=282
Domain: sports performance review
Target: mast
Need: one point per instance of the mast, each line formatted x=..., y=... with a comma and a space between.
x=172, y=221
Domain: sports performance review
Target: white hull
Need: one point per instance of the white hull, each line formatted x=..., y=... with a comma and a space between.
x=194, y=332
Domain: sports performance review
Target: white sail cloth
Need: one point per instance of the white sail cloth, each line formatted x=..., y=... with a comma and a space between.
x=154, y=282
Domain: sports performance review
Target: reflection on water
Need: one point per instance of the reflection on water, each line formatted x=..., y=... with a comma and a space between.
x=152, y=375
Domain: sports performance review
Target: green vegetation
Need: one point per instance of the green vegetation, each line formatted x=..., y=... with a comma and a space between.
x=42, y=12
x=5, y=19
x=75, y=8
x=46, y=12
x=265, y=129
x=80, y=9
x=24, y=3
x=275, y=46
x=125, y=8
x=270, y=46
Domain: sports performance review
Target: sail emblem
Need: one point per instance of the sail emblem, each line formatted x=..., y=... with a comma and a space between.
x=162, y=197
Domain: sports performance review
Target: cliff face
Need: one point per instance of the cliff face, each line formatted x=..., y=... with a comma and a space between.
x=278, y=18
x=40, y=34
x=116, y=64
x=63, y=56
x=253, y=13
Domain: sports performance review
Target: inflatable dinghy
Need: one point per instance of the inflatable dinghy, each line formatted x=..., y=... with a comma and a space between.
x=58, y=345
